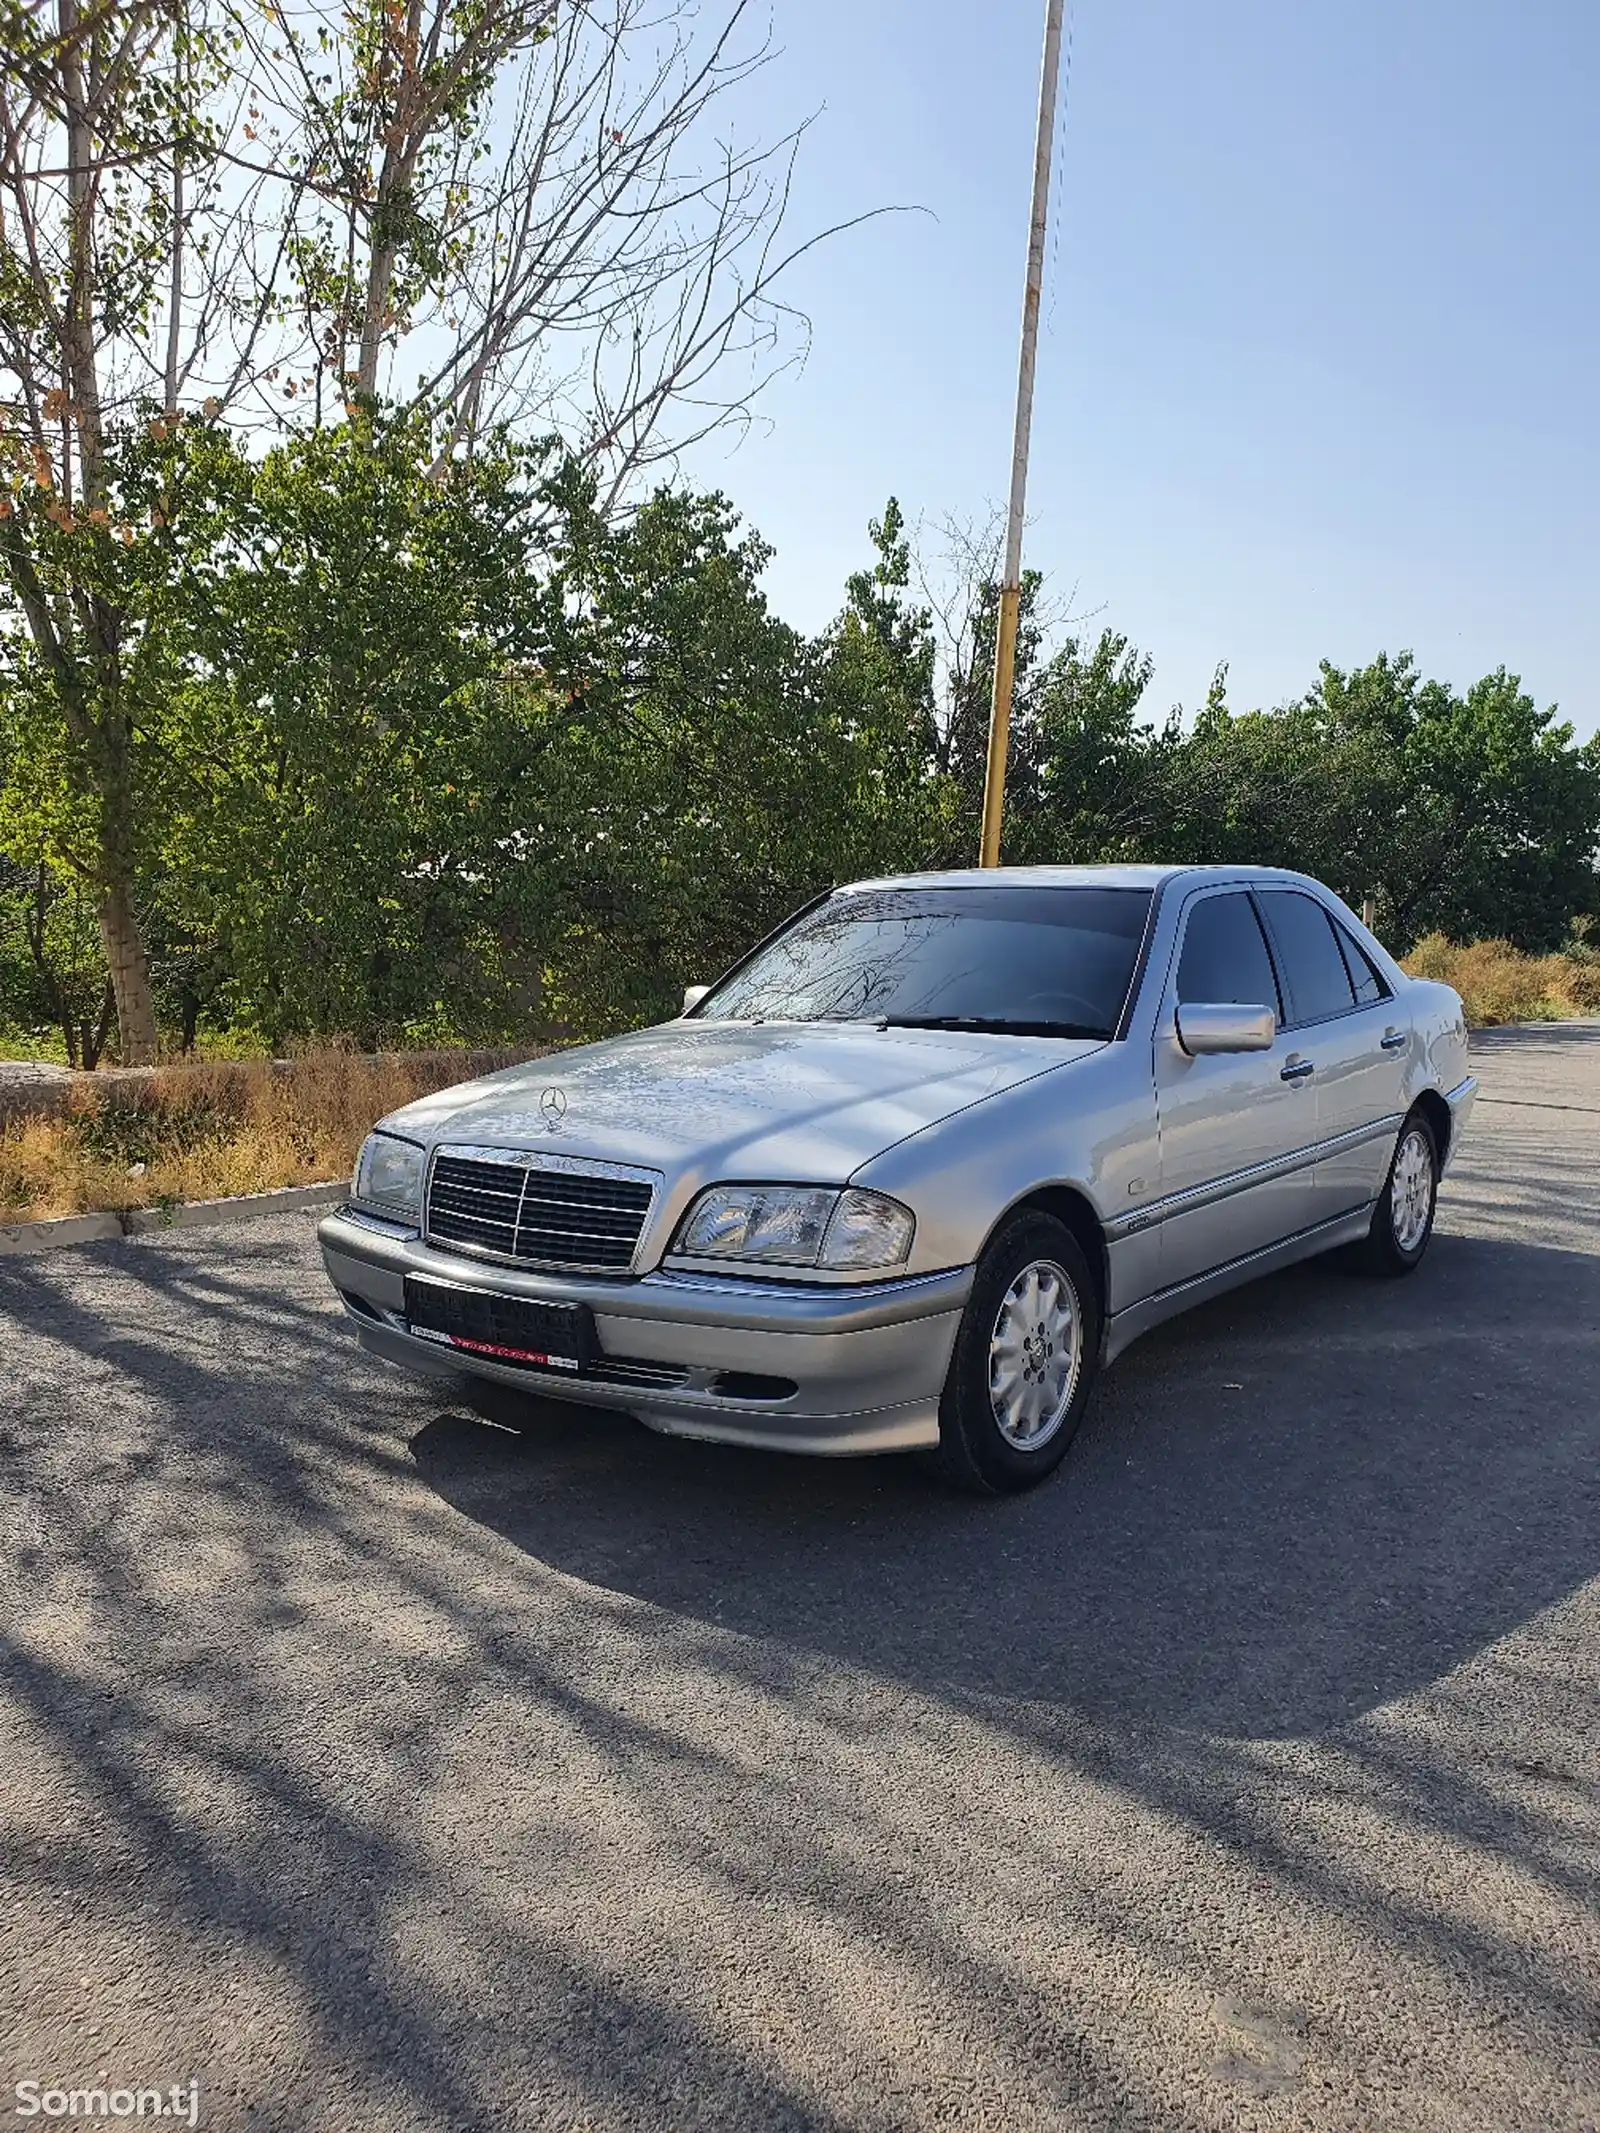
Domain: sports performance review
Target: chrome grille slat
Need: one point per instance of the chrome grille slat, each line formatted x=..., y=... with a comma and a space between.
x=559, y=1233
x=577, y=1210
x=490, y=1234
x=545, y=1226
x=538, y=1211
x=442, y=1204
x=570, y=1210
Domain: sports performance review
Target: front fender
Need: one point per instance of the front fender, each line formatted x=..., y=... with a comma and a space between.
x=1090, y=1126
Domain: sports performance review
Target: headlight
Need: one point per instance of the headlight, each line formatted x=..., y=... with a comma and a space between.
x=798, y=1225
x=389, y=1175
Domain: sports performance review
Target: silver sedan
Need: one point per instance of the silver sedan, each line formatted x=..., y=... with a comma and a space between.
x=925, y=1161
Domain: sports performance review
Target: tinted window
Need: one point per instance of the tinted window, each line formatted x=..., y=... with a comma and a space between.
x=1057, y=960
x=1224, y=956
x=1308, y=955
x=1365, y=976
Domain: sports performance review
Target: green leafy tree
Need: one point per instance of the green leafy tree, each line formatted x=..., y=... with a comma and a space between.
x=1260, y=788
x=209, y=207
x=113, y=147
x=714, y=770
x=877, y=672
x=1471, y=815
x=1093, y=775
x=52, y=972
x=353, y=734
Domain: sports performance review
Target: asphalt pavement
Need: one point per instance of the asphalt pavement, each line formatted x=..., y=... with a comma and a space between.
x=372, y=1764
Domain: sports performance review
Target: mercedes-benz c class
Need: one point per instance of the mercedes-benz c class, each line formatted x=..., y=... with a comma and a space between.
x=921, y=1164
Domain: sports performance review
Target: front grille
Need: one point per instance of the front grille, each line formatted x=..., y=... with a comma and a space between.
x=542, y=1213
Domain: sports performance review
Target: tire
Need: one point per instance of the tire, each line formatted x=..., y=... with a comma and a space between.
x=1402, y=1221
x=1032, y=1274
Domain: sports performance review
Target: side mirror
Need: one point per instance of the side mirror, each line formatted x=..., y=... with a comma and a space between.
x=1204, y=1027
x=693, y=995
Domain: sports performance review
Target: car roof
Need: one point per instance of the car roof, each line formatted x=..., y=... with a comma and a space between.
x=1092, y=877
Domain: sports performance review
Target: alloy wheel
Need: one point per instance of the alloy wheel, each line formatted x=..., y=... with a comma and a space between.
x=1035, y=1355
x=1411, y=1190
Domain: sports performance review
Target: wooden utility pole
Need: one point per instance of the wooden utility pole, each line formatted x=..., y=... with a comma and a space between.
x=1005, y=643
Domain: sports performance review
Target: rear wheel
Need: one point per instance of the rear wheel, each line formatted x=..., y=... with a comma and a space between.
x=1024, y=1359
x=1402, y=1221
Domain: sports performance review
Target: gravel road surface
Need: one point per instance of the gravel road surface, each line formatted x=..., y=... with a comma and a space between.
x=374, y=1766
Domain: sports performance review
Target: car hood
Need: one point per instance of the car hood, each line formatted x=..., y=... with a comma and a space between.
x=724, y=1099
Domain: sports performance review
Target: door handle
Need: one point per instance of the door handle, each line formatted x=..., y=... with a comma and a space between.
x=1393, y=1040
x=1298, y=1069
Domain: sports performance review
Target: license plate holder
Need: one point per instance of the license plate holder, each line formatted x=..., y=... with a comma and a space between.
x=511, y=1329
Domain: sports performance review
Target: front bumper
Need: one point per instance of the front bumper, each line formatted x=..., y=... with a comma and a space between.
x=866, y=1362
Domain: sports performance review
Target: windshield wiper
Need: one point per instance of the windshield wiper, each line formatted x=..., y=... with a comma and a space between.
x=998, y=1025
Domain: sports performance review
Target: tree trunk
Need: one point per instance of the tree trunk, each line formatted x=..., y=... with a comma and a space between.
x=380, y=280
x=130, y=976
x=95, y=1033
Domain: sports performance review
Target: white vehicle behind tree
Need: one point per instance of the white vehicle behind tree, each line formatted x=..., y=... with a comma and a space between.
x=924, y=1162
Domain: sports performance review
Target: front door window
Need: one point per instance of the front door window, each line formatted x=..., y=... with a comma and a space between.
x=1225, y=959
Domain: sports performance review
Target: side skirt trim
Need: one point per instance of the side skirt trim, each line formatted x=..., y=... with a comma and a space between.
x=1151, y=1311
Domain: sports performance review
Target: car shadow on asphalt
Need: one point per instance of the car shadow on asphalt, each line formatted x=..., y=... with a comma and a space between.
x=1289, y=1508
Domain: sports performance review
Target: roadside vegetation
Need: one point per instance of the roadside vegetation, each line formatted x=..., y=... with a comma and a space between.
x=1498, y=983
x=358, y=818
x=204, y=1131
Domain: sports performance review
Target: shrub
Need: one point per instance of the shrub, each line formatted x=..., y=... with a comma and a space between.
x=208, y=1130
x=1498, y=983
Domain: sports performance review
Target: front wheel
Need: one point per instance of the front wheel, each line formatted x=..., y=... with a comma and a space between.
x=1402, y=1221
x=1024, y=1359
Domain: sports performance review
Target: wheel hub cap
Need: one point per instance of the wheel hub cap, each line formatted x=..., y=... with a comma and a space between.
x=1035, y=1354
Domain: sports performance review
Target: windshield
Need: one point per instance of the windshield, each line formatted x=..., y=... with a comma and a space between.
x=1041, y=962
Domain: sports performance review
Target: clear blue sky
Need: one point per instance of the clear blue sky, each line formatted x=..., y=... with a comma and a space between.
x=1321, y=366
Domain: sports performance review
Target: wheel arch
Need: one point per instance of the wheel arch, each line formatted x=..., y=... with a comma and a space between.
x=1437, y=1112
x=1075, y=1211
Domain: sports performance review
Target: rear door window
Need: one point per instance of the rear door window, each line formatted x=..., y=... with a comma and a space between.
x=1224, y=956
x=1309, y=956
x=1365, y=976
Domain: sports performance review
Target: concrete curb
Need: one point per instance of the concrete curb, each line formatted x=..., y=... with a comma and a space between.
x=66, y=1230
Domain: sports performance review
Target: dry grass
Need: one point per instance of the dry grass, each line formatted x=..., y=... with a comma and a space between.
x=204, y=1131
x=1498, y=983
